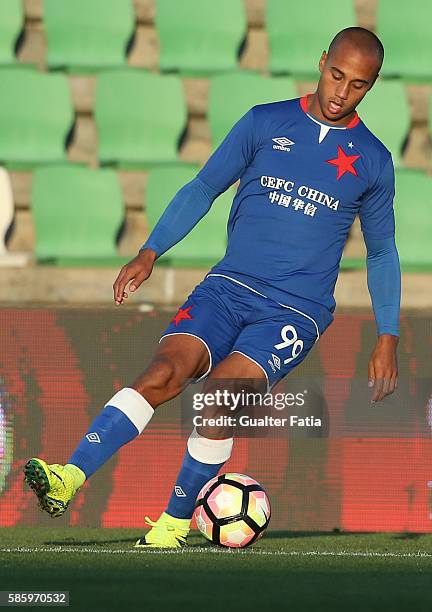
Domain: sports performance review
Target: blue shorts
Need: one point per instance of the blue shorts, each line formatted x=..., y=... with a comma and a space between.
x=231, y=318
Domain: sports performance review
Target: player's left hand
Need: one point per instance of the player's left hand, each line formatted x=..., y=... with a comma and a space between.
x=383, y=368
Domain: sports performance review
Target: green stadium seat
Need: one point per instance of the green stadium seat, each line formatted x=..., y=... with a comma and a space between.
x=6, y=209
x=203, y=36
x=140, y=117
x=413, y=222
x=77, y=214
x=6, y=219
x=244, y=90
x=88, y=35
x=413, y=219
x=386, y=113
x=11, y=24
x=36, y=115
x=300, y=31
x=405, y=31
x=430, y=115
x=206, y=243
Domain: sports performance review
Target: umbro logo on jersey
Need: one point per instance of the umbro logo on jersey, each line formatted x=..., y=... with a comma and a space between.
x=179, y=491
x=282, y=143
x=93, y=437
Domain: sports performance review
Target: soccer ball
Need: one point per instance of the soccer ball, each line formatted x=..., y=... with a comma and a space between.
x=232, y=510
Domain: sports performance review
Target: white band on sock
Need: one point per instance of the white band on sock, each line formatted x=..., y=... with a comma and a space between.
x=207, y=450
x=133, y=405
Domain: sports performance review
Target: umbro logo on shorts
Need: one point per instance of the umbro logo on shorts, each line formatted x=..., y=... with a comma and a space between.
x=282, y=143
x=179, y=491
x=274, y=363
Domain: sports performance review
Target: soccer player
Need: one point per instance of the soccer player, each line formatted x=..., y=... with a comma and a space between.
x=307, y=167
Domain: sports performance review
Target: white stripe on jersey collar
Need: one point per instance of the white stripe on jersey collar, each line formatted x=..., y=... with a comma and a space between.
x=324, y=127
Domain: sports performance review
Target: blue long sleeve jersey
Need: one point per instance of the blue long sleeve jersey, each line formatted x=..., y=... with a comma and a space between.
x=302, y=182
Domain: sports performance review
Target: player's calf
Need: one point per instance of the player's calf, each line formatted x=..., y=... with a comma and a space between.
x=179, y=358
x=162, y=381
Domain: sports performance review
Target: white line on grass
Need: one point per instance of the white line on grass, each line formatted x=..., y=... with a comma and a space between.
x=188, y=550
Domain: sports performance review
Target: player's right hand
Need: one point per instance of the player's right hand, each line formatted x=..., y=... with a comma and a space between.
x=135, y=272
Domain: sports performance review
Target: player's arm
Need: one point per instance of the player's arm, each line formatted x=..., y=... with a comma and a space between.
x=384, y=281
x=190, y=204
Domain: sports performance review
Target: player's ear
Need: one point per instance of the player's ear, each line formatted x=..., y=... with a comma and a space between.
x=322, y=61
x=374, y=81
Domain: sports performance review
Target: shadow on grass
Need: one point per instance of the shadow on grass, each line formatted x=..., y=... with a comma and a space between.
x=408, y=536
x=130, y=541
x=92, y=542
x=275, y=535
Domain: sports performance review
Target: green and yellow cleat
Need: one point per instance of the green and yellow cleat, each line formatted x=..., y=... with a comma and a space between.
x=53, y=484
x=166, y=532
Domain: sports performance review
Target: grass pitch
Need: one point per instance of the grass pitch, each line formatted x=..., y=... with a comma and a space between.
x=293, y=571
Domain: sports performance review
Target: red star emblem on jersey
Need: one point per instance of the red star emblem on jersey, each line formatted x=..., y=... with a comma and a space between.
x=183, y=313
x=344, y=163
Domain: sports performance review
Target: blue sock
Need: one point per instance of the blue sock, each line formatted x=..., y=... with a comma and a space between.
x=108, y=432
x=191, y=479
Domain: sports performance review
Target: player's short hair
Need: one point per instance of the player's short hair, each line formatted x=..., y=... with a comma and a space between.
x=365, y=39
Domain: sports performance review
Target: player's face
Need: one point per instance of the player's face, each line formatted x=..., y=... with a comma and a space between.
x=347, y=74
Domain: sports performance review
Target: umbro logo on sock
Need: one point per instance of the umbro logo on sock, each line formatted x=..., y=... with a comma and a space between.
x=93, y=437
x=179, y=491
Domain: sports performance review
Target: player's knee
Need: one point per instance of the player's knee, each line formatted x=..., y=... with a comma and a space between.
x=161, y=381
